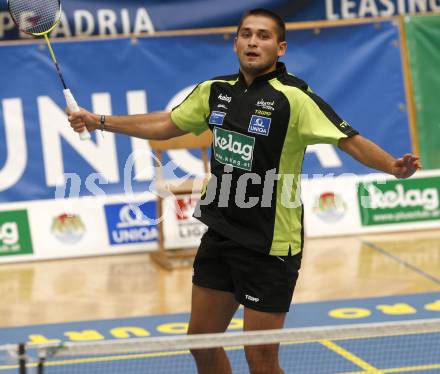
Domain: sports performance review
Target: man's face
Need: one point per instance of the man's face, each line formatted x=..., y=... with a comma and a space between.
x=257, y=45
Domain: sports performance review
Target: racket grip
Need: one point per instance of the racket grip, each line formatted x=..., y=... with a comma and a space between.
x=73, y=107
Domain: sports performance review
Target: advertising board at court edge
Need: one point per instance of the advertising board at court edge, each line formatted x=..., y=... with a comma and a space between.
x=15, y=236
x=399, y=201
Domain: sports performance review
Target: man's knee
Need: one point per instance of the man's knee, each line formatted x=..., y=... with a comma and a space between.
x=211, y=360
x=263, y=359
x=206, y=355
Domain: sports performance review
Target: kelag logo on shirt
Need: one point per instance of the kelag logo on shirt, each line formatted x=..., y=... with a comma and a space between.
x=259, y=125
x=233, y=148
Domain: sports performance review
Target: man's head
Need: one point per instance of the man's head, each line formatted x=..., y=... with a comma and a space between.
x=260, y=41
x=280, y=25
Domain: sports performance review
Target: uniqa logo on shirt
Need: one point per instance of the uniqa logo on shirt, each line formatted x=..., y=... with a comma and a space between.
x=233, y=148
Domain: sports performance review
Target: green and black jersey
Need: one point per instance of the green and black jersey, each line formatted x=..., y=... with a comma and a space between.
x=260, y=134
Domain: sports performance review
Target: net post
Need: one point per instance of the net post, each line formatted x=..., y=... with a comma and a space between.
x=22, y=358
x=40, y=366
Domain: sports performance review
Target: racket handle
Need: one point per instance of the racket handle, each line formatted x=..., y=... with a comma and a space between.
x=73, y=107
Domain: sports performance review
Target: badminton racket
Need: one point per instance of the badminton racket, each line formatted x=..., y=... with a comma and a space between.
x=39, y=18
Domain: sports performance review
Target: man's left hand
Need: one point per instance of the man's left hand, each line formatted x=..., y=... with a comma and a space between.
x=406, y=166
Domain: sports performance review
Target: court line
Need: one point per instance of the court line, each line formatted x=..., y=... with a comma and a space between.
x=413, y=368
x=124, y=357
x=401, y=369
x=350, y=356
x=402, y=262
x=75, y=361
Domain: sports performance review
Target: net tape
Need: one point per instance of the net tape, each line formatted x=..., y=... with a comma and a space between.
x=35, y=16
x=291, y=336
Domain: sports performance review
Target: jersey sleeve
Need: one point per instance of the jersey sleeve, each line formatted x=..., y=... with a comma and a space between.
x=191, y=114
x=319, y=123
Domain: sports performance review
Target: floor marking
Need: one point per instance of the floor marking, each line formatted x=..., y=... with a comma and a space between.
x=350, y=357
x=401, y=369
x=413, y=368
x=403, y=262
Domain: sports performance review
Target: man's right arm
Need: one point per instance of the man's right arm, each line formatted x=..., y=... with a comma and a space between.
x=157, y=125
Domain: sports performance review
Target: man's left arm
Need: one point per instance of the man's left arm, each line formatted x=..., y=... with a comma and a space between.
x=371, y=155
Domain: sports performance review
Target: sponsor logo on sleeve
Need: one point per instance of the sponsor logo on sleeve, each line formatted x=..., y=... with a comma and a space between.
x=68, y=228
x=233, y=148
x=15, y=236
x=216, y=118
x=344, y=127
x=131, y=223
x=401, y=201
x=259, y=125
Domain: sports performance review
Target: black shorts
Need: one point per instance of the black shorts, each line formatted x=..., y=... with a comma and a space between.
x=258, y=281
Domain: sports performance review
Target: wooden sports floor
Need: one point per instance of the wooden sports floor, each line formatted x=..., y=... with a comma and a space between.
x=133, y=285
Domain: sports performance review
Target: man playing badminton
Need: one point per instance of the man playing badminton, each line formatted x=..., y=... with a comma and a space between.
x=262, y=120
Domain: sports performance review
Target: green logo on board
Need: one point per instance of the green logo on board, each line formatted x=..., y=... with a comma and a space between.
x=233, y=148
x=15, y=237
x=400, y=201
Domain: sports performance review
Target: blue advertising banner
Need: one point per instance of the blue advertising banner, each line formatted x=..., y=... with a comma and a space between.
x=350, y=9
x=111, y=17
x=357, y=69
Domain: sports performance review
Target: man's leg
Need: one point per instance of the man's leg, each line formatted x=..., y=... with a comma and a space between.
x=263, y=359
x=211, y=312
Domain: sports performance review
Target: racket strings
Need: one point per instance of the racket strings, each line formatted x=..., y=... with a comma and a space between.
x=35, y=16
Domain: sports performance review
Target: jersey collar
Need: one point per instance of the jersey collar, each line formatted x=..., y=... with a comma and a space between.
x=280, y=70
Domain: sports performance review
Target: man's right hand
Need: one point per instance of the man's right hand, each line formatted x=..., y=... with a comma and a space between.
x=83, y=119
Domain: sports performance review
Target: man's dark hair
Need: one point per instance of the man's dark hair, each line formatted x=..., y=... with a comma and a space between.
x=281, y=26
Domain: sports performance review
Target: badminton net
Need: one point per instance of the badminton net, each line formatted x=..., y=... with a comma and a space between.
x=394, y=347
